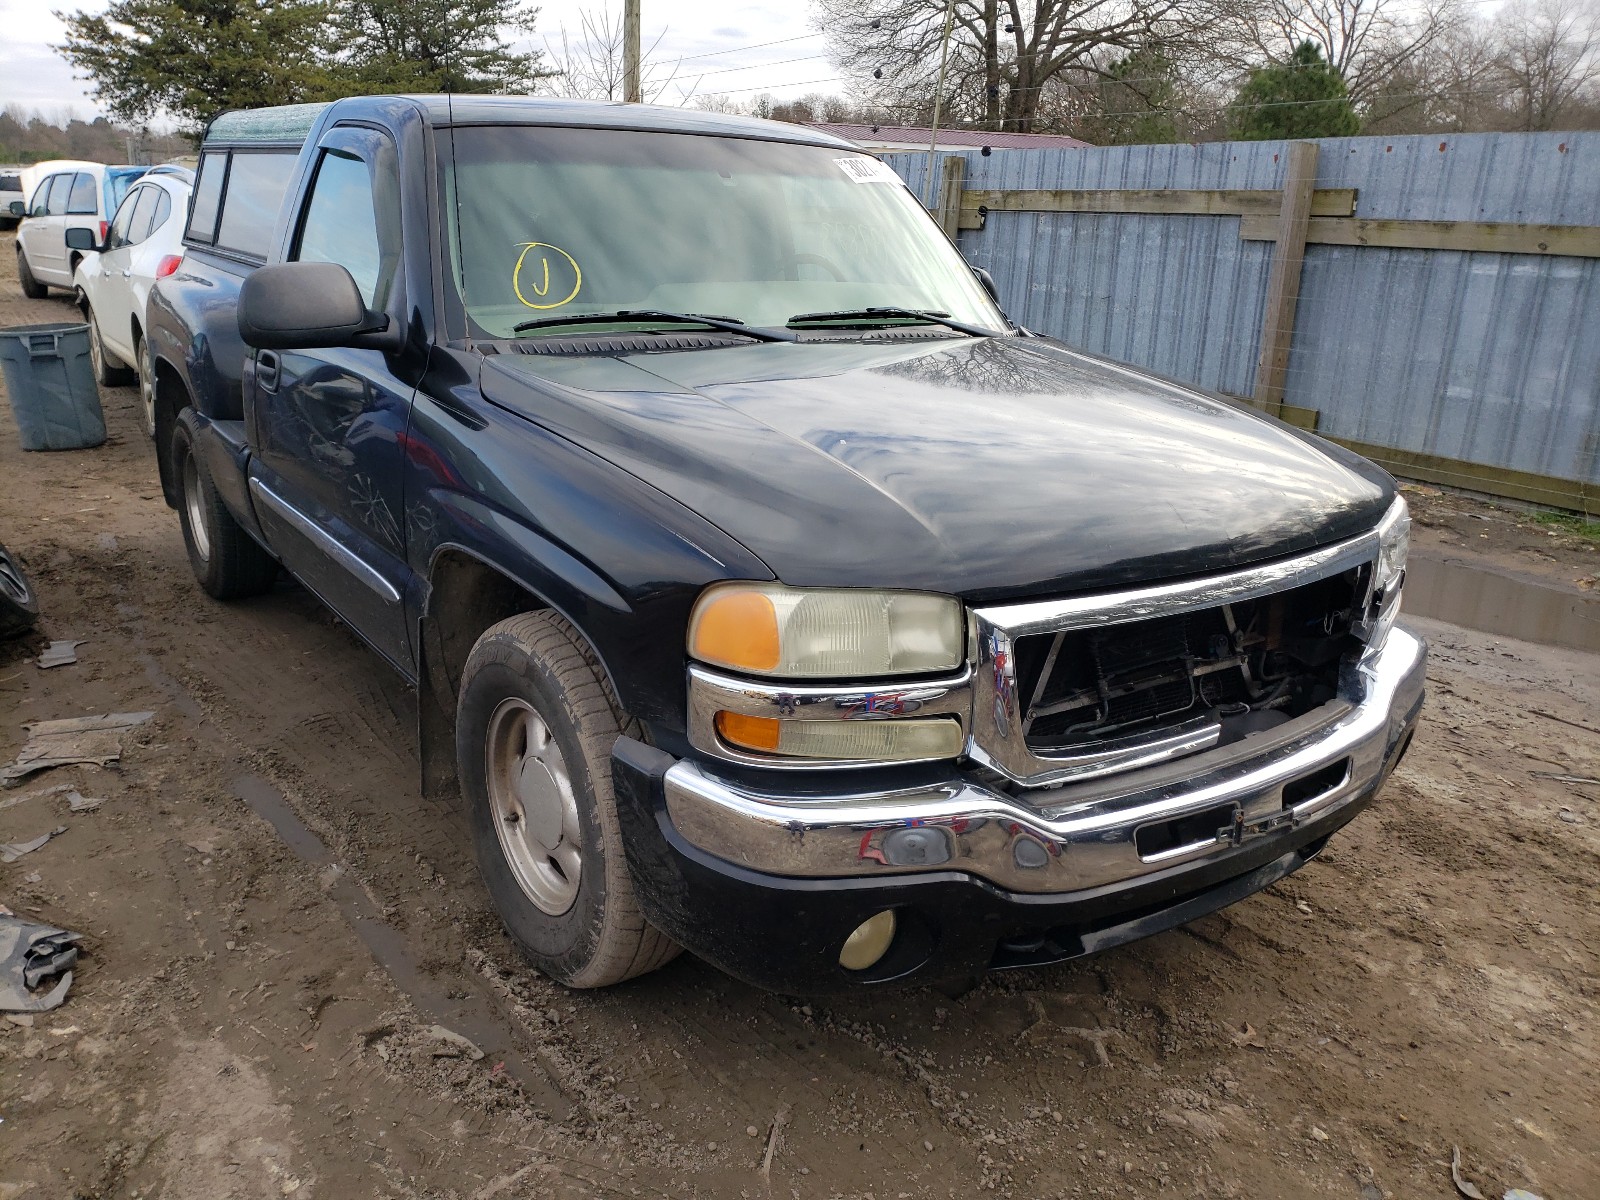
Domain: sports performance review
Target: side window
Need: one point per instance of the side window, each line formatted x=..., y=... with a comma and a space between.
x=207, y=197
x=81, y=201
x=123, y=221
x=256, y=183
x=41, y=197
x=139, y=227
x=60, y=185
x=353, y=217
x=163, y=209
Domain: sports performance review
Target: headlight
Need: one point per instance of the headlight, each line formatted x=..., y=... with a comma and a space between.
x=815, y=633
x=1388, y=573
x=1394, y=541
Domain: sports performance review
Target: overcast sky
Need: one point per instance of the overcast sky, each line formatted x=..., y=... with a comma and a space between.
x=719, y=45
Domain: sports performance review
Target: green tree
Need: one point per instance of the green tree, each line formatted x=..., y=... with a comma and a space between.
x=1301, y=98
x=191, y=59
x=1135, y=101
x=435, y=46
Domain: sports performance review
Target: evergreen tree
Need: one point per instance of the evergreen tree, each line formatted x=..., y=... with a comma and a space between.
x=435, y=46
x=1301, y=98
x=191, y=59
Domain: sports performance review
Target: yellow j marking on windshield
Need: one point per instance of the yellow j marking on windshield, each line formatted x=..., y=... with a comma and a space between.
x=539, y=281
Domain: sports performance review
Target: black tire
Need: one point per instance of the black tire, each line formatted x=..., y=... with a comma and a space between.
x=146, y=372
x=19, y=603
x=31, y=287
x=228, y=563
x=108, y=371
x=539, y=663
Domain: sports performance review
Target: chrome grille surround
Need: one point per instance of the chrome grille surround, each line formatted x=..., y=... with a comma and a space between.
x=996, y=738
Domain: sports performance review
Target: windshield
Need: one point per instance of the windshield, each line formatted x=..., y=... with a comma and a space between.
x=564, y=222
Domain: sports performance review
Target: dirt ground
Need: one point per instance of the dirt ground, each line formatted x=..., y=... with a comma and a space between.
x=1564, y=551
x=252, y=1016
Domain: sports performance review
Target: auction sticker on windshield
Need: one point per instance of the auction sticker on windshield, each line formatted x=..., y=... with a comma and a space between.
x=867, y=170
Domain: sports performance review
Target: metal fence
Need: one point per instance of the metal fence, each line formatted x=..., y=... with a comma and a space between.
x=1470, y=366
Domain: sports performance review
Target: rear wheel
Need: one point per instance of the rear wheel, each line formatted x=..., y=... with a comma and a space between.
x=19, y=606
x=147, y=386
x=108, y=371
x=31, y=287
x=534, y=731
x=227, y=561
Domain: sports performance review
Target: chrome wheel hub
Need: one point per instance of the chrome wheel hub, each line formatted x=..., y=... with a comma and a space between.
x=194, y=506
x=533, y=806
x=147, y=388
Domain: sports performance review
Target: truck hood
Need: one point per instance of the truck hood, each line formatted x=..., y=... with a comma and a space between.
x=987, y=468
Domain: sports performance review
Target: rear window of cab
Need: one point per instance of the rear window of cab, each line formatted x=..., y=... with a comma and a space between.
x=236, y=200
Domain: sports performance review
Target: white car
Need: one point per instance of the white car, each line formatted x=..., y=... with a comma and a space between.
x=114, y=277
x=68, y=195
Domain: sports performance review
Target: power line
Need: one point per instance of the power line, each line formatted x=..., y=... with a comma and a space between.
x=782, y=62
x=755, y=46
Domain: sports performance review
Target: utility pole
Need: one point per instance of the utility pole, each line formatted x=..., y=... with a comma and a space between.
x=631, y=91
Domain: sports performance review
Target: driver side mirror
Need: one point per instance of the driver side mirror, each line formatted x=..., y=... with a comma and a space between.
x=307, y=305
x=987, y=280
x=79, y=238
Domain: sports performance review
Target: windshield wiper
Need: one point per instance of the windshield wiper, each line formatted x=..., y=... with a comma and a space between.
x=877, y=314
x=727, y=324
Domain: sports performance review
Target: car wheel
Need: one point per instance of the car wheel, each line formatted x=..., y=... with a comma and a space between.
x=147, y=386
x=31, y=287
x=19, y=606
x=534, y=730
x=106, y=371
x=227, y=561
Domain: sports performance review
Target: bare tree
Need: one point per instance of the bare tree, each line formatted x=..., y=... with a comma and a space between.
x=1549, y=56
x=590, y=67
x=1369, y=42
x=1003, y=54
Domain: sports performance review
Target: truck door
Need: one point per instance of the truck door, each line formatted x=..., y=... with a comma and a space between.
x=327, y=424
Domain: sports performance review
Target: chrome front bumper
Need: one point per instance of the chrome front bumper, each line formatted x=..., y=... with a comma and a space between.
x=1073, y=837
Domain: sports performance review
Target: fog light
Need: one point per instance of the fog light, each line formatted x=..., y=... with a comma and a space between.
x=869, y=942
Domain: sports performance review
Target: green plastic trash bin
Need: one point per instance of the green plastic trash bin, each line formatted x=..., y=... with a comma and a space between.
x=50, y=383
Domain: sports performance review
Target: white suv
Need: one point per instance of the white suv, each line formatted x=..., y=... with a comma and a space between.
x=72, y=195
x=114, y=277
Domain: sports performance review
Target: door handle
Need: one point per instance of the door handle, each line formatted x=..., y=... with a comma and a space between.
x=267, y=370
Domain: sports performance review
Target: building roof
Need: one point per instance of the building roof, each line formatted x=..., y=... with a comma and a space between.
x=876, y=135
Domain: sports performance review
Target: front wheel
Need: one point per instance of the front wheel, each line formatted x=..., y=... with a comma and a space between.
x=228, y=563
x=19, y=605
x=31, y=287
x=534, y=730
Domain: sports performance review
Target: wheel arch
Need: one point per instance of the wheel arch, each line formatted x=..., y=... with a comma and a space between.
x=171, y=398
x=467, y=593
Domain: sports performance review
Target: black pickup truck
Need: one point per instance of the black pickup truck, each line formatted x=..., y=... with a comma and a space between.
x=767, y=592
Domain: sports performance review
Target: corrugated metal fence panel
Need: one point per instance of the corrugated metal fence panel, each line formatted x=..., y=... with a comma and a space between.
x=1490, y=358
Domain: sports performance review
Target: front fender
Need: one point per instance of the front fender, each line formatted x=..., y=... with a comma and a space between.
x=619, y=560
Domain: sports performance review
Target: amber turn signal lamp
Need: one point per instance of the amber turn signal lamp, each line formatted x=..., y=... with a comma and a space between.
x=752, y=733
x=739, y=628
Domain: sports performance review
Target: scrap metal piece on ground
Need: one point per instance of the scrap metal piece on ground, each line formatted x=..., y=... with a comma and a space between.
x=58, y=654
x=11, y=851
x=78, y=802
x=49, y=791
x=1463, y=1185
x=96, y=740
x=34, y=957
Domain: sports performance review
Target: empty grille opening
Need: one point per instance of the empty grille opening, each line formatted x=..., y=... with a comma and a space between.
x=1248, y=666
x=1309, y=787
x=1163, y=837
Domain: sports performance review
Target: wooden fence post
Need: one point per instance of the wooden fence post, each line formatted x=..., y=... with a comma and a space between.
x=951, y=184
x=1283, y=285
